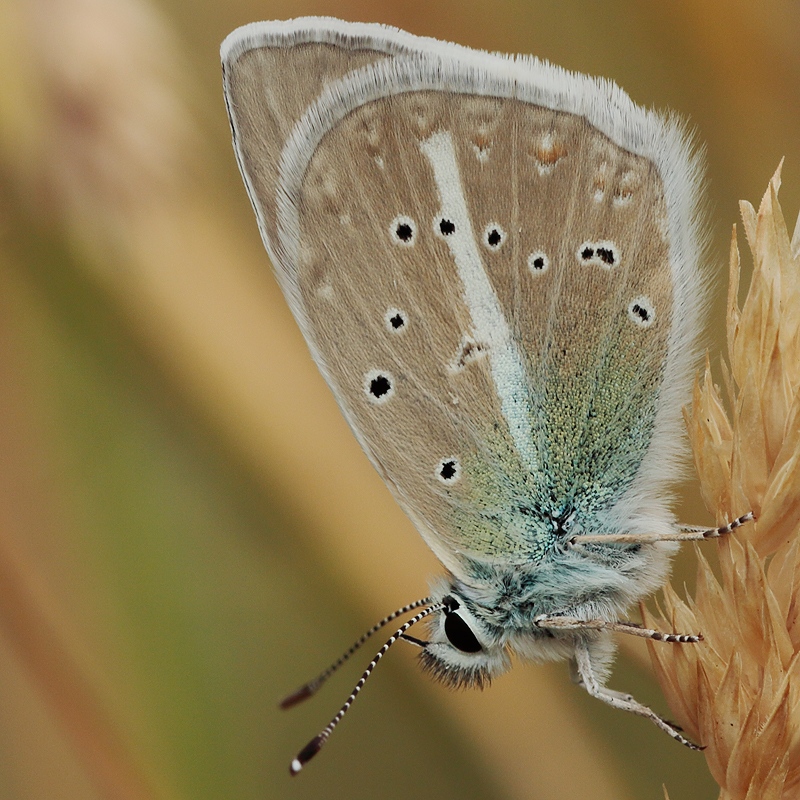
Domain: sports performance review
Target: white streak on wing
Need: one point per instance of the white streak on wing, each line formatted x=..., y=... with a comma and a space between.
x=488, y=321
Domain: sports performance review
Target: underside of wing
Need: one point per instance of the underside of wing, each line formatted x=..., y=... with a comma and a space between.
x=487, y=272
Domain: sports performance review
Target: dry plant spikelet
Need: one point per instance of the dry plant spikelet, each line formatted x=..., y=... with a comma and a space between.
x=93, y=118
x=737, y=693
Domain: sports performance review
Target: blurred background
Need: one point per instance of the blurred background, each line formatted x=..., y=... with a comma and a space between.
x=187, y=528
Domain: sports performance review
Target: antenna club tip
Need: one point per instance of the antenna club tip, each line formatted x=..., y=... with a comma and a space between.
x=303, y=693
x=307, y=753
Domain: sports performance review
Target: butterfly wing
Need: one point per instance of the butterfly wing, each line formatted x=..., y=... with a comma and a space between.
x=493, y=263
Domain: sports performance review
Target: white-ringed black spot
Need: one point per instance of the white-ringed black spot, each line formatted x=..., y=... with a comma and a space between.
x=601, y=254
x=396, y=320
x=641, y=312
x=403, y=230
x=607, y=255
x=445, y=226
x=538, y=262
x=448, y=471
x=493, y=236
x=379, y=386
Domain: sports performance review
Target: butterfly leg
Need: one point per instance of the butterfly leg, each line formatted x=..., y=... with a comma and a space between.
x=686, y=533
x=693, y=532
x=575, y=623
x=587, y=678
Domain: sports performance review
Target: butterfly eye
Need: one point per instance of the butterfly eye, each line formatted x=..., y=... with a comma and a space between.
x=460, y=635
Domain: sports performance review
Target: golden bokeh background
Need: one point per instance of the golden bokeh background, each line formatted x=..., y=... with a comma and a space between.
x=187, y=528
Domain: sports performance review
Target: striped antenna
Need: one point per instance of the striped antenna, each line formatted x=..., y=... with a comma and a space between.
x=311, y=688
x=315, y=745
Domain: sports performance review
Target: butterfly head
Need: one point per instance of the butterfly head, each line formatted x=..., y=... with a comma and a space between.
x=463, y=650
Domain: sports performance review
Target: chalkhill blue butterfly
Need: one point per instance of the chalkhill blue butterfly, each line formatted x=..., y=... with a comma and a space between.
x=494, y=263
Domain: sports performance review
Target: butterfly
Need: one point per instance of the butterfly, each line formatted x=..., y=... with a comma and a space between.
x=495, y=265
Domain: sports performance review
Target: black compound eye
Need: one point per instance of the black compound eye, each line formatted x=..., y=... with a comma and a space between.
x=460, y=635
